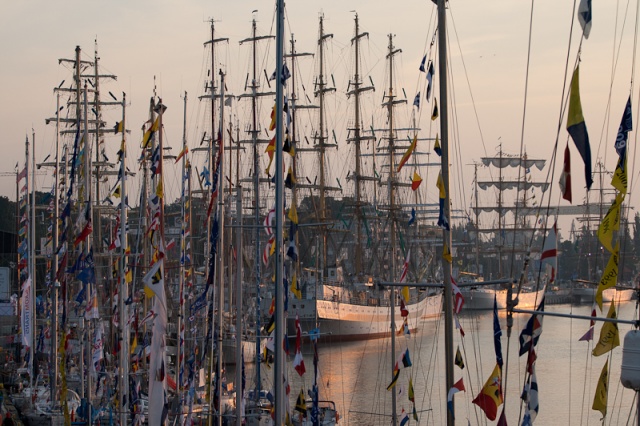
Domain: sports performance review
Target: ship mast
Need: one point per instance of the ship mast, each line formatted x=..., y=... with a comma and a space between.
x=292, y=137
x=320, y=147
x=391, y=183
x=254, y=131
x=321, y=140
x=358, y=138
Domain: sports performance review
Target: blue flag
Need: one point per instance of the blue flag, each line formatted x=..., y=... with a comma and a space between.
x=424, y=60
x=497, y=333
x=412, y=219
x=626, y=125
x=531, y=332
x=416, y=101
x=584, y=16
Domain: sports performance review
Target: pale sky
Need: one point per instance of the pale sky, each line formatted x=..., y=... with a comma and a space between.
x=142, y=39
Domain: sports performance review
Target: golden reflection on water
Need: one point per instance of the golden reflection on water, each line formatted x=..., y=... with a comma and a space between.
x=355, y=374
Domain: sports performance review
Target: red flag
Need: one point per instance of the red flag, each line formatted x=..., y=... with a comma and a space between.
x=550, y=251
x=502, y=421
x=490, y=397
x=565, y=177
x=415, y=181
x=404, y=312
x=84, y=234
x=272, y=124
x=298, y=361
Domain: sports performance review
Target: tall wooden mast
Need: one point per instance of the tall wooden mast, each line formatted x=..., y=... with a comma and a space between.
x=358, y=138
x=254, y=131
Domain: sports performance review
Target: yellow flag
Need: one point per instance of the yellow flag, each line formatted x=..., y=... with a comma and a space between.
x=134, y=345
x=435, y=113
x=412, y=396
x=619, y=180
x=405, y=293
x=610, y=275
x=159, y=190
x=271, y=149
x=446, y=254
x=602, y=390
x=149, y=133
x=609, y=336
x=440, y=186
x=610, y=223
x=407, y=154
x=293, y=213
x=294, y=287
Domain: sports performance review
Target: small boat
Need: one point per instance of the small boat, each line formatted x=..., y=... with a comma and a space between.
x=327, y=414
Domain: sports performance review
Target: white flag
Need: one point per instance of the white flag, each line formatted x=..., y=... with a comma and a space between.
x=27, y=314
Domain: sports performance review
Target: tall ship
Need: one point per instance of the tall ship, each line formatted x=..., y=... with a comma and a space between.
x=339, y=290
x=509, y=225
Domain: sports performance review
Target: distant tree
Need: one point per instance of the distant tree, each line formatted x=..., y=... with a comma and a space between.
x=7, y=215
x=636, y=234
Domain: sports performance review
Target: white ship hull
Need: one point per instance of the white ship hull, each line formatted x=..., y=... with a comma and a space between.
x=482, y=298
x=339, y=320
x=588, y=295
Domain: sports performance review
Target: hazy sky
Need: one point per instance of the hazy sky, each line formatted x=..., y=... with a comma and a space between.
x=142, y=39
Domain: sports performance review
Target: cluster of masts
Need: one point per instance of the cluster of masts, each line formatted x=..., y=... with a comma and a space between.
x=84, y=119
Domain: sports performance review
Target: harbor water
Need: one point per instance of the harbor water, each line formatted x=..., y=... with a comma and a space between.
x=355, y=375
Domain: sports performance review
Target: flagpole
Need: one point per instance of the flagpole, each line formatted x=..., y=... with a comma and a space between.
x=123, y=292
x=280, y=323
x=220, y=270
x=239, y=310
x=392, y=233
x=32, y=261
x=181, y=278
x=87, y=245
x=54, y=262
x=446, y=266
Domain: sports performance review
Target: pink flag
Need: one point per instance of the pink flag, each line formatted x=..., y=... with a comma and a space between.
x=588, y=336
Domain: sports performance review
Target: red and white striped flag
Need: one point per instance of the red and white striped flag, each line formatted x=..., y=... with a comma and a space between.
x=458, y=299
